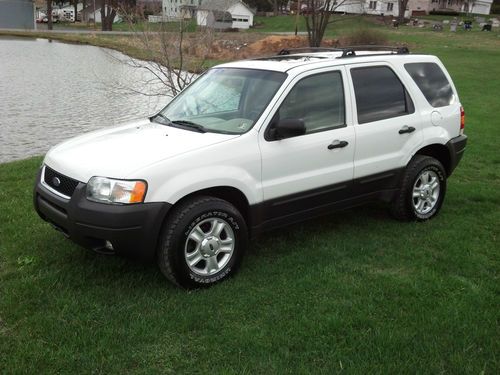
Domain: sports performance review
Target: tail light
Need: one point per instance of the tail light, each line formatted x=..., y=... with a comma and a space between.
x=462, y=120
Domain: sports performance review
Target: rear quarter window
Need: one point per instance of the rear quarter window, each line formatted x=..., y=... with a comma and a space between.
x=431, y=80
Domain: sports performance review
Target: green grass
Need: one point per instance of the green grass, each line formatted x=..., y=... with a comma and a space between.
x=353, y=292
x=287, y=23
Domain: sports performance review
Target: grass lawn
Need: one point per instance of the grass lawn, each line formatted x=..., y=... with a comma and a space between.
x=353, y=292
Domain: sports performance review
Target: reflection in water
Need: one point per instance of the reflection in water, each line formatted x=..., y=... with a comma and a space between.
x=50, y=92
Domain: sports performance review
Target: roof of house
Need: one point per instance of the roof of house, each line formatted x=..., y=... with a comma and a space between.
x=223, y=5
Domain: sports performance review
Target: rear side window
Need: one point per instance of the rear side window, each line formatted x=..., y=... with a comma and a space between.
x=431, y=80
x=379, y=94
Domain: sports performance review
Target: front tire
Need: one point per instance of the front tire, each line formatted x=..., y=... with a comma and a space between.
x=422, y=190
x=202, y=242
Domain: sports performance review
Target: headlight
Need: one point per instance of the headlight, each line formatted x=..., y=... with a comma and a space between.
x=108, y=190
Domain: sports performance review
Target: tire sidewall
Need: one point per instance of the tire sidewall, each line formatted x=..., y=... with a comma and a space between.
x=439, y=170
x=186, y=277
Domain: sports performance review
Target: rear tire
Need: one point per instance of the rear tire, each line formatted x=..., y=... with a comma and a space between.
x=422, y=190
x=202, y=242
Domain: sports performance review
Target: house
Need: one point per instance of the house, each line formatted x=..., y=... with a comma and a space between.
x=17, y=14
x=462, y=6
x=68, y=11
x=222, y=13
x=180, y=9
x=88, y=14
x=477, y=6
x=414, y=7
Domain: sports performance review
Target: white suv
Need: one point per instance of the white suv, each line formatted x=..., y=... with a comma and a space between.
x=254, y=145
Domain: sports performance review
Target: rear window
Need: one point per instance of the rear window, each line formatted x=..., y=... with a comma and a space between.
x=379, y=94
x=431, y=80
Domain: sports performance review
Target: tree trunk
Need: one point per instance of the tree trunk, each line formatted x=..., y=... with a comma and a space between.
x=401, y=10
x=49, y=14
x=75, y=4
x=103, y=15
x=107, y=16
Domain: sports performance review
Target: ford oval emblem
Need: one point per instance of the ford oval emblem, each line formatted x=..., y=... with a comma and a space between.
x=56, y=181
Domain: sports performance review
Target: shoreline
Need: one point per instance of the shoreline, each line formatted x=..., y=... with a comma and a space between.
x=111, y=41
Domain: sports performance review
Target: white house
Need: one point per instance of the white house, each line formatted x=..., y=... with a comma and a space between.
x=477, y=6
x=386, y=7
x=68, y=11
x=88, y=13
x=224, y=13
x=390, y=7
x=176, y=9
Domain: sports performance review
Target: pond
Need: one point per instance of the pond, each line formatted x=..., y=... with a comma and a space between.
x=51, y=91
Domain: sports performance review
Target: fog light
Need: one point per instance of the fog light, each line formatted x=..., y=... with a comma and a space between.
x=108, y=245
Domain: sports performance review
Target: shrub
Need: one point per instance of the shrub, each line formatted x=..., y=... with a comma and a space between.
x=365, y=37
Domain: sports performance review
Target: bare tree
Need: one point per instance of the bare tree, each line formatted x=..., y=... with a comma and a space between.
x=174, y=58
x=318, y=16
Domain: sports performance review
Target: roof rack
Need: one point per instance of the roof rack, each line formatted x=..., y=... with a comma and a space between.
x=289, y=51
x=346, y=51
x=351, y=51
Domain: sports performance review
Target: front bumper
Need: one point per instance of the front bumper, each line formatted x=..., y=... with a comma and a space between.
x=456, y=148
x=132, y=229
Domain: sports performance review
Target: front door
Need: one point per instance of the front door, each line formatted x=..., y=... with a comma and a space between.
x=302, y=173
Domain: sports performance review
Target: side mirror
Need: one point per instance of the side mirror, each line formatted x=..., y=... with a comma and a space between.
x=289, y=127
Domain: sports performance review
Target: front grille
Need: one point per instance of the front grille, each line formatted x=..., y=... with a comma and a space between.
x=60, y=183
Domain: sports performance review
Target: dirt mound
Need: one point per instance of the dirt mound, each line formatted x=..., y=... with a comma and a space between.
x=232, y=49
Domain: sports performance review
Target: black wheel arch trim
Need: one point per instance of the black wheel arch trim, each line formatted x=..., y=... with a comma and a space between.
x=456, y=147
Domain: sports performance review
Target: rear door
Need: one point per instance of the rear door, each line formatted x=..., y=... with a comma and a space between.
x=388, y=128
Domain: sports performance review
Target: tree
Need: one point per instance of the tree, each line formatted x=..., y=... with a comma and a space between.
x=317, y=15
x=274, y=4
x=174, y=58
x=75, y=5
x=109, y=9
x=402, y=4
x=49, y=14
x=108, y=14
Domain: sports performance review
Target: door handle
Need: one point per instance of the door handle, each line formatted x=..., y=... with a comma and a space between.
x=406, y=129
x=337, y=144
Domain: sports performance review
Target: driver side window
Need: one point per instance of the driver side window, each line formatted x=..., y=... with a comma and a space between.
x=318, y=100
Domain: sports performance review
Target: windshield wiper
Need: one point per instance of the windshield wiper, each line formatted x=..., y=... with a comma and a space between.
x=165, y=119
x=191, y=125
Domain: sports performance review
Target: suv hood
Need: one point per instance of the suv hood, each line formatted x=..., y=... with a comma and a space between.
x=119, y=152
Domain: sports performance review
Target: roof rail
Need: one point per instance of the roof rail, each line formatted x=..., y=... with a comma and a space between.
x=346, y=51
x=351, y=51
x=289, y=51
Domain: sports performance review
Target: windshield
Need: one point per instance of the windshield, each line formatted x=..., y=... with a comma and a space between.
x=224, y=100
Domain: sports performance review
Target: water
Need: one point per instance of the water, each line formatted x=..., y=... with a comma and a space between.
x=52, y=91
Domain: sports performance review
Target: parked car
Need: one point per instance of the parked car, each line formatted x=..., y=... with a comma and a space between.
x=255, y=145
